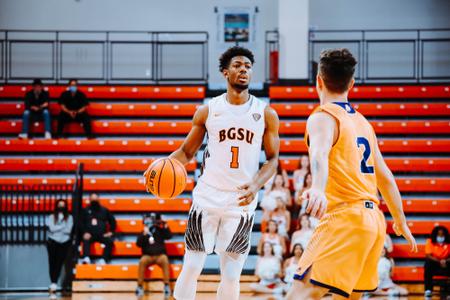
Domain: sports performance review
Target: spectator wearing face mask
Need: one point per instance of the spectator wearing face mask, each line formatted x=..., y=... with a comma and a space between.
x=74, y=106
x=59, y=225
x=97, y=225
x=437, y=258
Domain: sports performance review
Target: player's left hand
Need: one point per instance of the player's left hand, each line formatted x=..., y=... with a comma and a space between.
x=317, y=202
x=248, y=192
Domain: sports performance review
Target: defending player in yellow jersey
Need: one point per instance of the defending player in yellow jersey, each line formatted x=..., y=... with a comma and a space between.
x=347, y=170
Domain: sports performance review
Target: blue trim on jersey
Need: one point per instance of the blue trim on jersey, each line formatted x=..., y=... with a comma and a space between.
x=346, y=106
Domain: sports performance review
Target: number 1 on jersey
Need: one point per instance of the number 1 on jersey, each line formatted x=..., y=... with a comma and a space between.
x=234, y=164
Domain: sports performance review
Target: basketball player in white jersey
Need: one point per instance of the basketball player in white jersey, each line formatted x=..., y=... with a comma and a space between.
x=237, y=124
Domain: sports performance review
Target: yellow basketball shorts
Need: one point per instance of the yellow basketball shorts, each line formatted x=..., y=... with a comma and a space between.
x=345, y=248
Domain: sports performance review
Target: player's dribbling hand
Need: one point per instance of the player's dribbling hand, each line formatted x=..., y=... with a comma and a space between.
x=402, y=229
x=317, y=202
x=248, y=193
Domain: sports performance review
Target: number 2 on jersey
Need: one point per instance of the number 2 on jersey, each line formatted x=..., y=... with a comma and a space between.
x=234, y=164
x=362, y=141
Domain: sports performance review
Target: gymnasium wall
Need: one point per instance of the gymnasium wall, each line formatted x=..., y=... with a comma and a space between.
x=200, y=15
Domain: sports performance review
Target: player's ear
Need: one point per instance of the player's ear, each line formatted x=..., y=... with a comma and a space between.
x=225, y=73
x=319, y=82
x=352, y=83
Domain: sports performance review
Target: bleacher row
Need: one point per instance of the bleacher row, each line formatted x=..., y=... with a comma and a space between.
x=413, y=124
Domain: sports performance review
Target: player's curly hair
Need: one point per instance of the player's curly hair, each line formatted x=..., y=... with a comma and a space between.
x=336, y=67
x=227, y=56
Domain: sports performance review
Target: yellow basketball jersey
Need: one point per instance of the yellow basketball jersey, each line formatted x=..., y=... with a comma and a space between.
x=351, y=175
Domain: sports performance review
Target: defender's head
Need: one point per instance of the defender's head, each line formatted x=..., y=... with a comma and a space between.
x=236, y=66
x=336, y=70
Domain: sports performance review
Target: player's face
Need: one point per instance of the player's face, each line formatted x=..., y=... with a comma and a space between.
x=239, y=72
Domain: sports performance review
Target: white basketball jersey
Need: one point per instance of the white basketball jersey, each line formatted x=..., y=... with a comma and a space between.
x=231, y=157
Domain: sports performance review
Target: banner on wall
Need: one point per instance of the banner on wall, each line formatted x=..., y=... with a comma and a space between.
x=236, y=24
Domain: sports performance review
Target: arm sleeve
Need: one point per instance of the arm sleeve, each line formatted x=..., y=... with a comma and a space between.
x=68, y=225
x=27, y=100
x=429, y=247
x=167, y=234
x=140, y=240
x=52, y=226
x=112, y=221
x=84, y=99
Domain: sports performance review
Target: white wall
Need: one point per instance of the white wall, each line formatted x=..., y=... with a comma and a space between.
x=152, y=15
x=379, y=14
x=293, y=20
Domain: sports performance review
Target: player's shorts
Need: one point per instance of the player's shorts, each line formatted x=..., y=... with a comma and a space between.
x=345, y=248
x=212, y=228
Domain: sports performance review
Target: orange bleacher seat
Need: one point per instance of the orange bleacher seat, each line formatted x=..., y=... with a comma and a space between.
x=404, y=251
x=420, y=226
x=115, y=109
x=150, y=145
x=122, y=272
x=114, y=92
x=136, y=226
x=381, y=127
x=396, y=145
x=406, y=184
x=183, y=127
x=370, y=109
x=395, y=164
x=364, y=92
x=110, y=184
x=130, y=249
x=408, y=274
x=110, y=127
x=136, y=204
x=70, y=164
x=416, y=205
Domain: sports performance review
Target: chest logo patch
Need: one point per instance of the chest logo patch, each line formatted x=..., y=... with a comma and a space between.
x=256, y=117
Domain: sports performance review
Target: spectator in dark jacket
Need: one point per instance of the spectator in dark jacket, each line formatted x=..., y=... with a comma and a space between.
x=151, y=241
x=437, y=257
x=97, y=225
x=36, y=108
x=74, y=106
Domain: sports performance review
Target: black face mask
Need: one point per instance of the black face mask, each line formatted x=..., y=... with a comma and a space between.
x=61, y=209
x=95, y=205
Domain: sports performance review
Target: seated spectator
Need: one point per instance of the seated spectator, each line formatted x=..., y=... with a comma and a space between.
x=290, y=265
x=74, y=106
x=303, y=233
x=59, y=225
x=280, y=171
x=300, y=173
x=271, y=236
x=283, y=218
x=386, y=287
x=437, y=259
x=36, y=108
x=97, y=225
x=269, y=203
x=151, y=241
x=269, y=272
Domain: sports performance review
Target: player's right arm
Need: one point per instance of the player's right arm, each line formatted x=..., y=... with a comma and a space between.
x=389, y=190
x=195, y=137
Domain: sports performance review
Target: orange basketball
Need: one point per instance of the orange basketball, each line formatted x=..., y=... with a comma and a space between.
x=166, y=178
